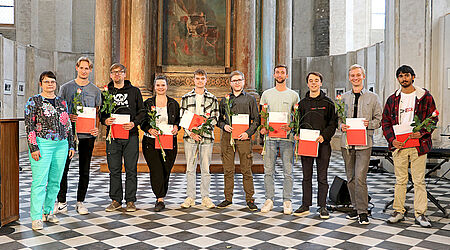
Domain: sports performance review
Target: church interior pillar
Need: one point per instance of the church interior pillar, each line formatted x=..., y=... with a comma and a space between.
x=268, y=42
x=284, y=35
x=139, y=53
x=245, y=41
x=102, y=41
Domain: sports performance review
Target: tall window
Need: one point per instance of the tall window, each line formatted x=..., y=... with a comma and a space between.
x=378, y=13
x=6, y=12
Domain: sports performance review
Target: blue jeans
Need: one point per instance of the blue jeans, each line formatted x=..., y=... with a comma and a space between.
x=204, y=156
x=47, y=173
x=287, y=158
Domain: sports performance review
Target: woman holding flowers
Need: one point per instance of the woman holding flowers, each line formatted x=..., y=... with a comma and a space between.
x=161, y=111
x=49, y=134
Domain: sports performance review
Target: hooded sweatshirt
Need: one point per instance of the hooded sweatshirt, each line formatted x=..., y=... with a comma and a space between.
x=318, y=113
x=128, y=100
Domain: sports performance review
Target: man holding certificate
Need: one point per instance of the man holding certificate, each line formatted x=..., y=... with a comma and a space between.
x=123, y=121
x=279, y=103
x=239, y=119
x=399, y=112
x=83, y=124
x=195, y=107
x=317, y=113
x=363, y=116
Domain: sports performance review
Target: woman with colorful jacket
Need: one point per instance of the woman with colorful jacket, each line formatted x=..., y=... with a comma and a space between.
x=49, y=134
x=168, y=112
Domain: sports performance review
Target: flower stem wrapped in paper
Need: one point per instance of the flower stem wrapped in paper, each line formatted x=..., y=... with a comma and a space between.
x=228, y=105
x=428, y=124
x=152, y=116
x=77, y=106
x=108, y=106
x=264, y=124
x=340, y=108
x=205, y=128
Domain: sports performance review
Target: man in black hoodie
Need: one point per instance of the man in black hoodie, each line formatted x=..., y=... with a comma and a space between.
x=128, y=100
x=317, y=112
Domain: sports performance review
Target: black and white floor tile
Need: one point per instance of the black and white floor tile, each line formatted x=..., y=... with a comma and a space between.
x=231, y=228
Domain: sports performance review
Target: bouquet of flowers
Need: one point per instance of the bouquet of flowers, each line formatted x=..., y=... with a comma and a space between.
x=264, y=124
x=205, y=128
x=428, y=124
x=340, y=108
x=108, y=106
x=152, y=121
x=77, y=106
x=228, y=105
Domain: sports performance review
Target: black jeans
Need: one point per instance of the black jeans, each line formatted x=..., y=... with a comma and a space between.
x=322, y=162
x=159, y=170
x=85, y=148
x=129, y=151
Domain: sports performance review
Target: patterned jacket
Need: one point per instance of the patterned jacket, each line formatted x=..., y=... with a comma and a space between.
x=210, y=105
x=47, y=122
x=424, y=107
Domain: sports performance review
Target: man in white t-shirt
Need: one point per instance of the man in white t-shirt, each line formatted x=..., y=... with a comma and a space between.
x=401, y=107
x=279, y=99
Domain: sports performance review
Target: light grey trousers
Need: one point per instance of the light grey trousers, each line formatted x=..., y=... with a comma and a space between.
x=356, y=167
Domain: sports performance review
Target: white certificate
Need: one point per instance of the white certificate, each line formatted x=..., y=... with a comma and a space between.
x=166, y=129
x=120, y=119
x=355, y=123
x=403, y=128
x=88, y=112
x=242, y=119
x=309, y=134
x=278, y=117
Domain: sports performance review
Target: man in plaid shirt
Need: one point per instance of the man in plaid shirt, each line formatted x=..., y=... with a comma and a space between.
x=400, y=108
x=201, y=102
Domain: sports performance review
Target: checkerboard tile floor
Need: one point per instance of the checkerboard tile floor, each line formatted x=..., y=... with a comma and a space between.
x=231, y=228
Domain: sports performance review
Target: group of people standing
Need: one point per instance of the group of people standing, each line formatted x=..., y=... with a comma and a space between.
x=50, y=124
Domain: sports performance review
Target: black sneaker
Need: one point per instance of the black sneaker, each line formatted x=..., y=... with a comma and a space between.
x=353, y=215
x=224, y=204
x=363, y=219
x=301, y=211
x=324, y=213
x=159, y=206
x=251, y=205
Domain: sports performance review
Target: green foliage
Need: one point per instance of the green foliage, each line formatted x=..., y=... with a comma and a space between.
x=77, y=105
x=108, y=103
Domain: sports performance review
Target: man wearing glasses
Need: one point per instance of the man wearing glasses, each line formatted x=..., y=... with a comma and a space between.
x=128, y=100
x=241, y=106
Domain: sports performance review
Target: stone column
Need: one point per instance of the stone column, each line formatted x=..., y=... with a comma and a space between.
x=284, y=35
x=102, y=41
x=268, y=43
x=245, y=41
x=138, y=71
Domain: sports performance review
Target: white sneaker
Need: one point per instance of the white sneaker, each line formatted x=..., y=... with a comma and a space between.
x=37, y=225
x=188, y=202
x=268, y=205
x=207, y=202
x=61, y=208
x=81, y=208
x=50, y=218
x=287, y=205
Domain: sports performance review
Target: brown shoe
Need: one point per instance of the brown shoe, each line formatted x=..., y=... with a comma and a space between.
x=113, y=206
x=130, y=206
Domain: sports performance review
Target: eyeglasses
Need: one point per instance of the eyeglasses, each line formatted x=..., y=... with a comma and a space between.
x=238, y=80
x=49, y=82
x=117, y=72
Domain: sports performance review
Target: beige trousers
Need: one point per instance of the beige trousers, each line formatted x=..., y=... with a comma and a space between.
x=402, y=158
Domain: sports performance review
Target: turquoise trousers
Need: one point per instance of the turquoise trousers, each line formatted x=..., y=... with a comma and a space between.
x=47, y=173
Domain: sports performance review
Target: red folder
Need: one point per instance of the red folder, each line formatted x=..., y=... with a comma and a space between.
x=308, y=148
x=356, y=137
x=166, y=141
x=197, y=120
x=238, y=129
x=277, y=132
x=84, y=125
x=411, y=143
x=118, y=132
